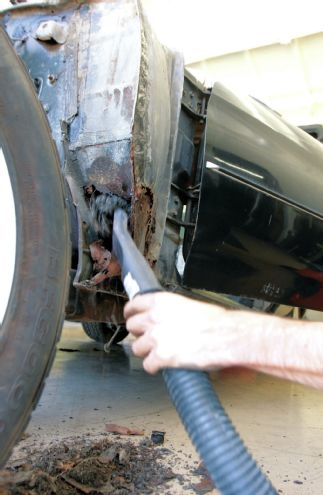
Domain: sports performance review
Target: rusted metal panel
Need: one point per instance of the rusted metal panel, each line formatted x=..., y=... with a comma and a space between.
x=155, y=131
x=90, y=81
x=107, y=166
x=112, y=96
x=109, y=51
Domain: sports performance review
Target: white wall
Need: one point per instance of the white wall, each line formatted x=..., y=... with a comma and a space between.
x=209, y=28
x=264, y=48
x=289, y=78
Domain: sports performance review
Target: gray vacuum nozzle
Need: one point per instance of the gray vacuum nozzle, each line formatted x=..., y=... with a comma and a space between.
x=137, y=275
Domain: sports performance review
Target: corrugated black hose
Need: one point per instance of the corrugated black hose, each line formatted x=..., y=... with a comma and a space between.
x=231, y=467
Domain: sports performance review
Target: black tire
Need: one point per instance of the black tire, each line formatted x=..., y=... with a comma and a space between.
x=103, y=332
x=33, y=319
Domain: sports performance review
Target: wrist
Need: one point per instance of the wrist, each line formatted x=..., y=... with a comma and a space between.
x=242, y=338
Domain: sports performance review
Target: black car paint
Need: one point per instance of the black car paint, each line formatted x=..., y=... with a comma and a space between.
x=259, y=231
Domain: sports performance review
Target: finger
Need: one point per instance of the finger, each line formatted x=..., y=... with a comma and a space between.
x=142, y=346
x=151, y=364
x=138, y=324
x=138, y=305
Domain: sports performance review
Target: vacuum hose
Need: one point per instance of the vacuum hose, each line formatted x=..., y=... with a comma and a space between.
x=231, y=467
x=228, y=462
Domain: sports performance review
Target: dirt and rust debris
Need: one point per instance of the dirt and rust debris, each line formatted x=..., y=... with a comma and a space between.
x=93, y=468
x=205, y=484
x=100, y=465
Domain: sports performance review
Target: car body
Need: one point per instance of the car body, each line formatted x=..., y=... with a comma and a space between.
x=223, y=194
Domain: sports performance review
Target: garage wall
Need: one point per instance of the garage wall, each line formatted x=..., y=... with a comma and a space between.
x=287, y=77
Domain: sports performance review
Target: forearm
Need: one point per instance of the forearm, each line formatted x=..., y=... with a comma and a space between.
x=304, y=377
x=282, y=347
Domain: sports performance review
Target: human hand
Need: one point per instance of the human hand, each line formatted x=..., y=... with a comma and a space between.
x=174, y=331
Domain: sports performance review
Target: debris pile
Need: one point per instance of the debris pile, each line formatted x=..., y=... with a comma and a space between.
x=81, y=467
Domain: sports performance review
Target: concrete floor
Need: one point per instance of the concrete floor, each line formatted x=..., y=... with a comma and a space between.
x=282, y=423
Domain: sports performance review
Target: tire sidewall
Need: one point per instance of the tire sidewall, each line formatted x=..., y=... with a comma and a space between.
x=35, y=310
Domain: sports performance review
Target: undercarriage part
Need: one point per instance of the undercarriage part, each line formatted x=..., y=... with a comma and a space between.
x=104, y=332
x=186, y=176
x=115, y=338
x=89, y=305
x=35, y=311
